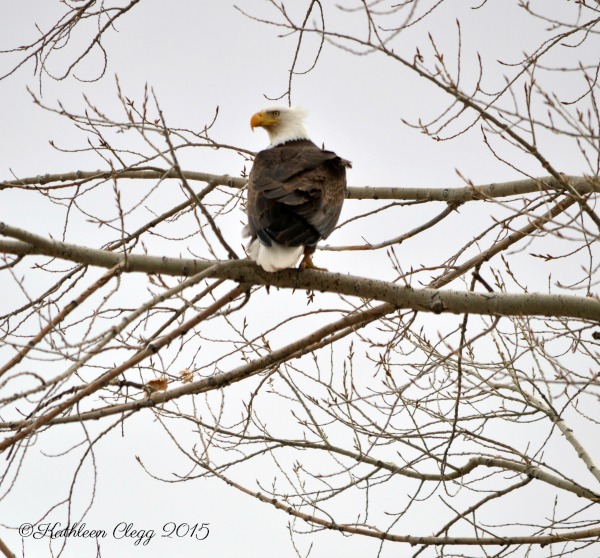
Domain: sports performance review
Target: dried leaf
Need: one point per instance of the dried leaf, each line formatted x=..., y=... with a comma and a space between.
x=186, y=376
x=160, y=384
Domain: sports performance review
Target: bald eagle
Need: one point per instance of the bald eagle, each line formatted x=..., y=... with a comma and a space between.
x=295, y=192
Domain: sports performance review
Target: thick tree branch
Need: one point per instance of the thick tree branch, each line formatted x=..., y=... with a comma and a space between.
x=244, y=271
x=5, y=550
x=581, y=184
x=78, y=177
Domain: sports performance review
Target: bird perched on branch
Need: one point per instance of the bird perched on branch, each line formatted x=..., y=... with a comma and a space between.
x=295, y=192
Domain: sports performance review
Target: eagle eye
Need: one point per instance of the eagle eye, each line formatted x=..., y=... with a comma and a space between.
x=275, y=113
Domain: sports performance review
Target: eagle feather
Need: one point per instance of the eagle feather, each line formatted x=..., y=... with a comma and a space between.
x=295, y=192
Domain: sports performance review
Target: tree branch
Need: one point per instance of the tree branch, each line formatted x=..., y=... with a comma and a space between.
x=413, y=540
x=582, y=184
x=244, y=271
x=104, y=379
x=317, y=339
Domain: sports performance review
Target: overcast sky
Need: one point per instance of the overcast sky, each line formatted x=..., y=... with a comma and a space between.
x=198, y=56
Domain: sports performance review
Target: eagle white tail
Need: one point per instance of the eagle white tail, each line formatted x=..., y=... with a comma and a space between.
x=275, y=257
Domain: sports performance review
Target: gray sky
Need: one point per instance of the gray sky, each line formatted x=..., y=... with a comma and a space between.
x=197, y=56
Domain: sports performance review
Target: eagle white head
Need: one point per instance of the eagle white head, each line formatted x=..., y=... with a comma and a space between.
x=281, y=123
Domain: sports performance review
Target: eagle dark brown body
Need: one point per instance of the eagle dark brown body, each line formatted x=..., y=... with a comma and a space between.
x=295, y=192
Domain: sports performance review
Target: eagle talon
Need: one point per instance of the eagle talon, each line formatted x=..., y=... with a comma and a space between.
x=307, y=263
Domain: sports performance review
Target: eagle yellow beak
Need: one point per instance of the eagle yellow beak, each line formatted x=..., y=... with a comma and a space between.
x=260, y=119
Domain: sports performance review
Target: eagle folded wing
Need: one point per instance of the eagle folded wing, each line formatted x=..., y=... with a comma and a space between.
x=295, y=194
